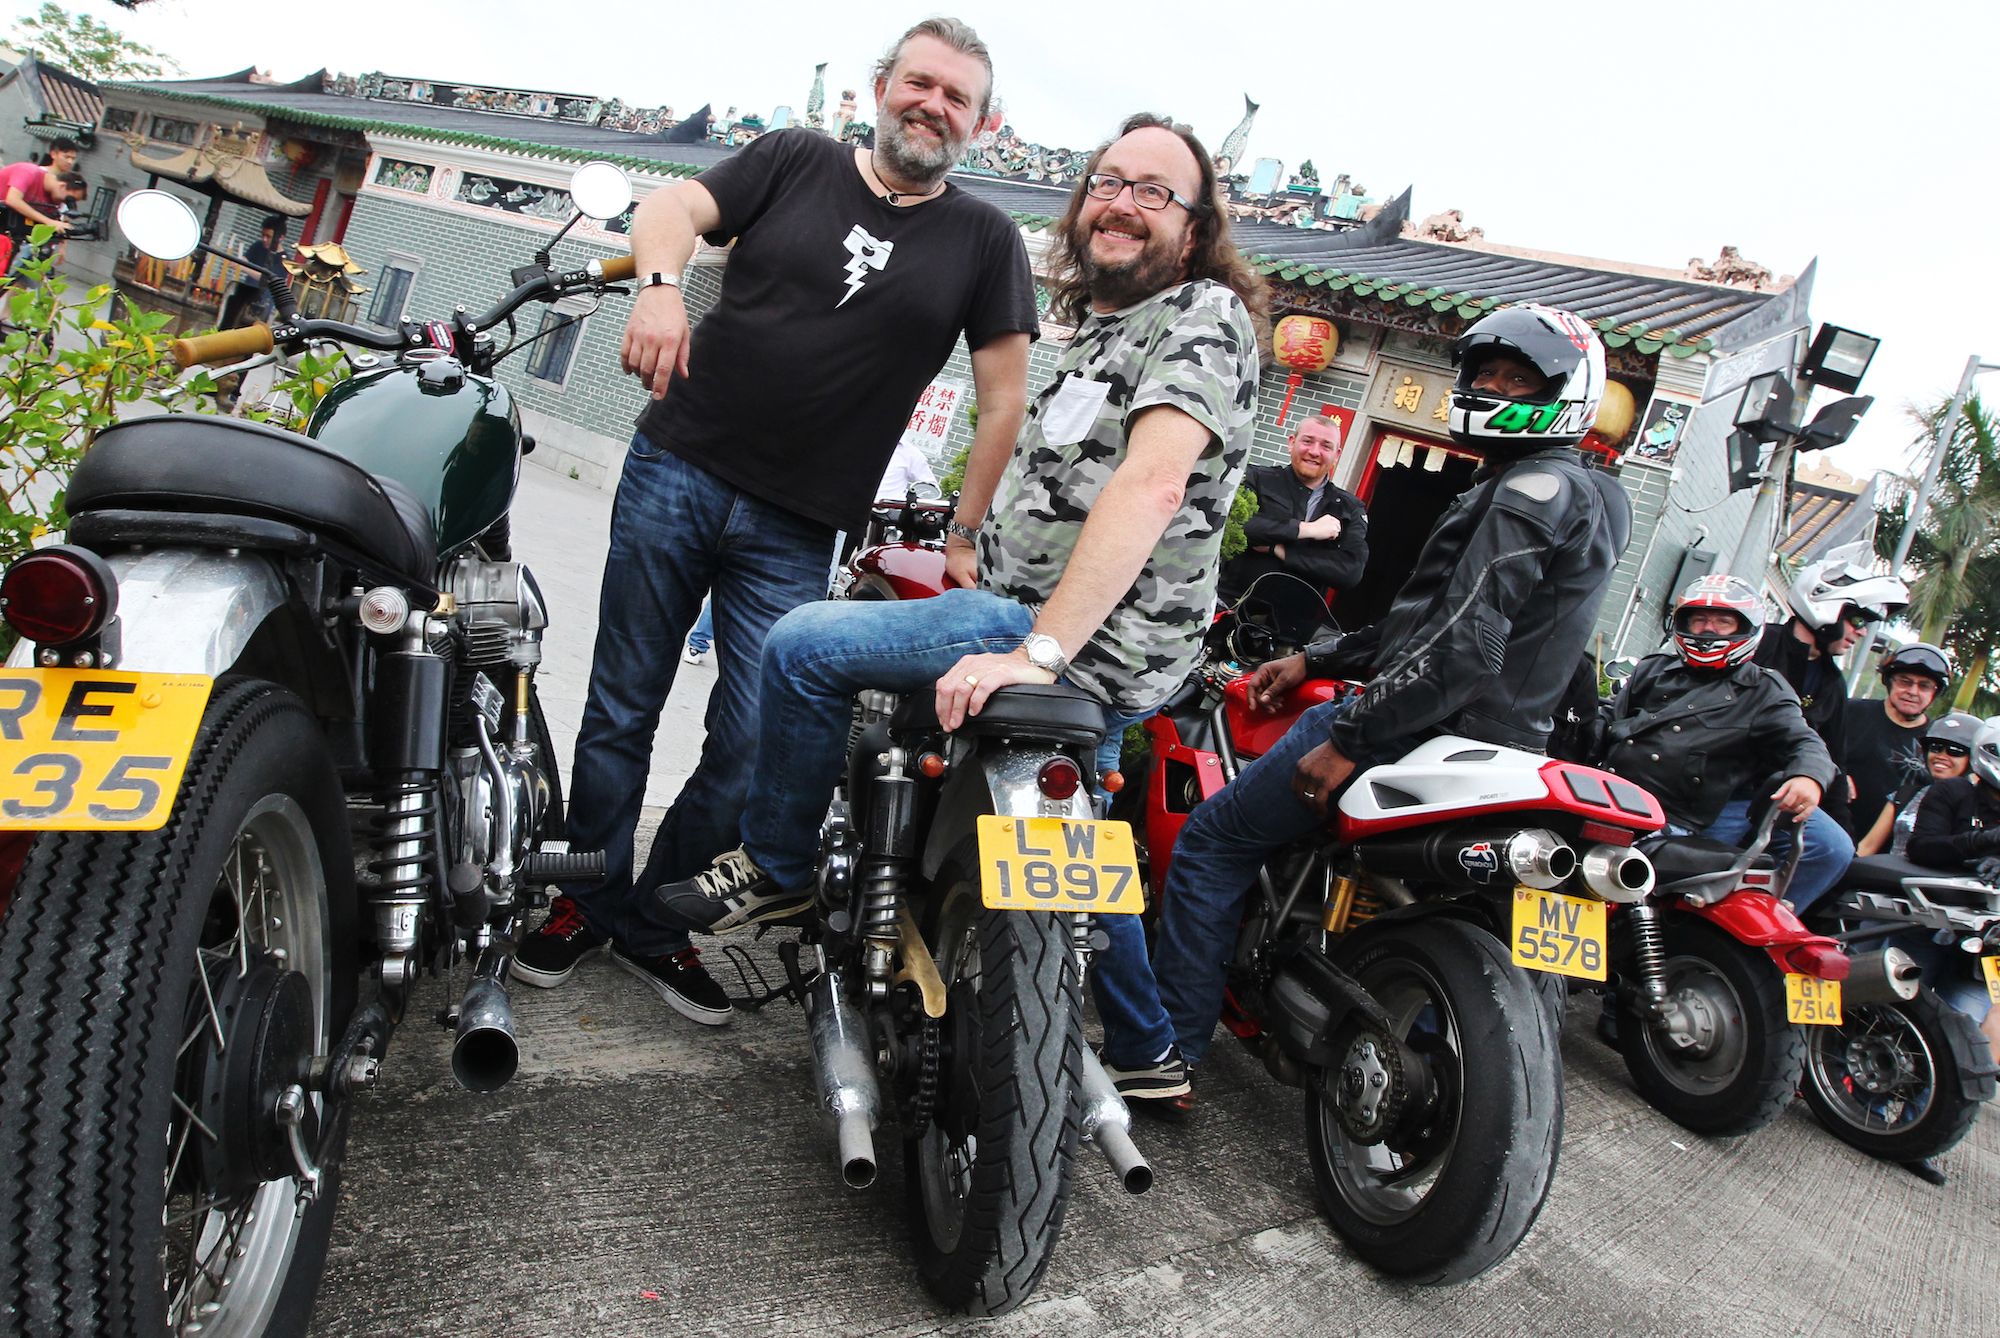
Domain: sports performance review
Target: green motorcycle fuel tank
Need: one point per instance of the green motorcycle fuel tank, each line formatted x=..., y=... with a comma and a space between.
x=452, y=438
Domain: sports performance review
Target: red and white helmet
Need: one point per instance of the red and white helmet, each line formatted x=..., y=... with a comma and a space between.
x=1717, y=650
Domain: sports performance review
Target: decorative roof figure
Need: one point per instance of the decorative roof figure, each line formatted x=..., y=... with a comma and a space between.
x=816, y=100
x=1234, y=141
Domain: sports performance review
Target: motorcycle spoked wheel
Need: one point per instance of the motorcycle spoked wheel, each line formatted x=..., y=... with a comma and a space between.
x=1745, y=1067
x=1445, y=1203
x=989, y=1177
x=138, y=1188
x=1888, y=1080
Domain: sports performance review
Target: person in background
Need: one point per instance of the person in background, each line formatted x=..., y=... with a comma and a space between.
x=1885, y=740
x=30, y=194
x=1958, y=828
x=1304, y=524
x=1947, y=753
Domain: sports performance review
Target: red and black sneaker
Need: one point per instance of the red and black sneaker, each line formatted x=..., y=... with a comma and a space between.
x=681, y=980
x=549, y=954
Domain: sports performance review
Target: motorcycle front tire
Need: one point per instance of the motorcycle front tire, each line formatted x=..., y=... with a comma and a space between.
x=1936, y=1042
x=119, y=960
x=987, y=1210
x=1447, y=1204
x=1748, y=1073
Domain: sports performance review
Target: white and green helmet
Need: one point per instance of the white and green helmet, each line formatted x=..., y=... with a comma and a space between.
x=1556, y=343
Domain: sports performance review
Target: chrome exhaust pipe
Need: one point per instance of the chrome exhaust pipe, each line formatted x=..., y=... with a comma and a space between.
x=484, y=1054
x=1477, y=852
x=1107, y=1122
x=1617, y=873
x=1540, y=858
x=1885, y=976
x=844, y=1064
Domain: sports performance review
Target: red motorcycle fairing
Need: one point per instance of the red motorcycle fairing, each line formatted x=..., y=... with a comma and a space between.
x=910, y=571
x=1257, y=732
x=1179, y=778
x=1760, y=920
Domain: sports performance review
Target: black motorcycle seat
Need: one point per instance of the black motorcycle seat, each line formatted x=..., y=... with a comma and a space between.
x=1885, y=873
x=1044, y=710
x=228, y=466
x=1680, y=857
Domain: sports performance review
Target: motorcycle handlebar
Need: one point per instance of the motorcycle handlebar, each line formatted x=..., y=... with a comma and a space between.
x=617, y=269
x=223, y=346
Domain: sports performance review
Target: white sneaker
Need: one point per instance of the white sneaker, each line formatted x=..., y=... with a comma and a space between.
x=693, y=656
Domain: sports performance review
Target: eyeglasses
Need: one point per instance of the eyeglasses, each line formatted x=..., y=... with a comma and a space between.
x=1950, y=749
x=1145, y=194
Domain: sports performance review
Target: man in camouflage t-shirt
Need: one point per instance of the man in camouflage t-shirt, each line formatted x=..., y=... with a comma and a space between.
x=1098, y=556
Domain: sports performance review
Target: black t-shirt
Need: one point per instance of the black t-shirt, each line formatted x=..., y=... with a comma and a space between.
x=837, y=309
x=1881, y=756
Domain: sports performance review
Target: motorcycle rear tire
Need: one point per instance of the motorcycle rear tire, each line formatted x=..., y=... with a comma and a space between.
x=104, y=1017
x=1451, y=980
x=1931, y=1034
x=1750, y=1075
x=986, y=1213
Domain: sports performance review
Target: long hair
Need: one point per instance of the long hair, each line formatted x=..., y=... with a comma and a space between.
x=1214, y=255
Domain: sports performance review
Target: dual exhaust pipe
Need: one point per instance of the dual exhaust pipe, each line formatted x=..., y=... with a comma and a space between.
x=844, y=1070
x=1498, y=856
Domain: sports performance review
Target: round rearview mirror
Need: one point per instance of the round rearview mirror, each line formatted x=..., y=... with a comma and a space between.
x=600, y=190
x=159, y=225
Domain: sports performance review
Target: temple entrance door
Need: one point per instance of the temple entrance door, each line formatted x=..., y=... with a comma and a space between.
x=1404, y=502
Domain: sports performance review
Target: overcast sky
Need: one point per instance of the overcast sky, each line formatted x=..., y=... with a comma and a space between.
x=1860, y=133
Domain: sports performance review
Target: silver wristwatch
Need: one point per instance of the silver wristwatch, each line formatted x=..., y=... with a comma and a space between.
x=963, y=531
x=1045, y=652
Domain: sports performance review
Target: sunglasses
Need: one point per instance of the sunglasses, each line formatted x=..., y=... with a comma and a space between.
x=1950, y=749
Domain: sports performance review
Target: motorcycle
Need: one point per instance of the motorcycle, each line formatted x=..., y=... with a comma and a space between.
x=1717, y=981
x=899, y=553
x=270, y=747
x=1404, y=967
x=1904, y=1074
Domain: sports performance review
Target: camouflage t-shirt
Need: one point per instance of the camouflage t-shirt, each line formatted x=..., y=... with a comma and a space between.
x=1190, y=347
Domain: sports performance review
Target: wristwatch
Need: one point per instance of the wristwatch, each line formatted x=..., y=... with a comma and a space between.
x=659, y=279
x=1045, y=652
x=963, y=531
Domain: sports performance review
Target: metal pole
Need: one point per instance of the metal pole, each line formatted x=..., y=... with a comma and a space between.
x=1939, y=439
x=1752, y=558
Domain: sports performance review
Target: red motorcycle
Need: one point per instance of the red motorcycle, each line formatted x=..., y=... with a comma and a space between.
x=899, y=553
x=1404, y=965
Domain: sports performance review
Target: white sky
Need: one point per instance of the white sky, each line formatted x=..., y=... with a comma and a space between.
x=1863, y=133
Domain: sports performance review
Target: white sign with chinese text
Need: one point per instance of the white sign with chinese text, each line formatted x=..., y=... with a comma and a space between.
x=937, y=408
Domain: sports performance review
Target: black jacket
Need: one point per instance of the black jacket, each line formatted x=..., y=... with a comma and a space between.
x=1485, y=633
x=1281, y=504
x=1695, y=737
x=1958, y=824
x=1822, y=697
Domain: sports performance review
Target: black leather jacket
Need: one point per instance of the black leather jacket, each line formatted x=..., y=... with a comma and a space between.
x=1281, y=505
x=1695, y=737
x=1485, y=633
x=1959, y=824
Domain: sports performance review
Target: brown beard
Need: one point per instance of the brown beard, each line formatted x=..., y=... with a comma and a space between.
x=1119, y=286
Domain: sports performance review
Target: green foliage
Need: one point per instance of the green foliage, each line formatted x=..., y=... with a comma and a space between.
x=83, y=46
x=953, y=477
x=70, y=368
x=1234, y=541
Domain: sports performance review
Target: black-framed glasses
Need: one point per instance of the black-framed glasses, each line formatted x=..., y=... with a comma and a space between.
x=1949, y=749
x=1145, y=194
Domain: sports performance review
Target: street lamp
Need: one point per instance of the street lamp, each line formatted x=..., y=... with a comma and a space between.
x=1839, y=358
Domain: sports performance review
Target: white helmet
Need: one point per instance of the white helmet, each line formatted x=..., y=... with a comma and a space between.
x=1558, y=344
x=1986, y=753
x=1841, y=578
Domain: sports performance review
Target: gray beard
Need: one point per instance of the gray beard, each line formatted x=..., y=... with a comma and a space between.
x=923, y=168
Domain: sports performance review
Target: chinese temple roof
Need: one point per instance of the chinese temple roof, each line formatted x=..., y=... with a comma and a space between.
x=1374, y=262
x=60, y=94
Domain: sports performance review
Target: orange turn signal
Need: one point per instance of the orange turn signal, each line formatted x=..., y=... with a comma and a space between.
x=1112, y=781
x=931, y=764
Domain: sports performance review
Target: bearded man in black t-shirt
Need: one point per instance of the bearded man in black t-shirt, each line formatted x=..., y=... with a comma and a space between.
x=854, y=274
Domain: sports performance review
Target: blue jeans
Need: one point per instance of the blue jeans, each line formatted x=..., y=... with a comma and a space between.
x=703, y=635
x=1226, y=840
x=677, y=533
x=815, y=660
x=1828, y=849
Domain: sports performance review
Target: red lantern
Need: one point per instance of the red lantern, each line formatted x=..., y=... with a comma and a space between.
x=1304, y=344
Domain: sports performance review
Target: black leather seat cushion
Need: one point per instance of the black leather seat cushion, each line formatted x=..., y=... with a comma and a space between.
x=194, y=462
x=1678, y=857
x=1885, y=873
x=1044, y=710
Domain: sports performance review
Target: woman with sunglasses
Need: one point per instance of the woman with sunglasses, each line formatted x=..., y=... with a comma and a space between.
x=1947, y=753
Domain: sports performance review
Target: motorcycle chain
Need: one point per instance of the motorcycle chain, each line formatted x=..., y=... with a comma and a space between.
x=923, y=1101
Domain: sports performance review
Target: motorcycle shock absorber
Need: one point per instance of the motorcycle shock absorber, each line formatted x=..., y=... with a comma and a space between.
x=405, y=872
x=1648, y=951
x=890, y=853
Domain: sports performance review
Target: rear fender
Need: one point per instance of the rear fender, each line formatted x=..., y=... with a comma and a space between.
x=1760, y=920
x=192, y=610
x=996, y=778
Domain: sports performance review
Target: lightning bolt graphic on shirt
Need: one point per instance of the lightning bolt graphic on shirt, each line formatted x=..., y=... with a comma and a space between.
x=866, y=253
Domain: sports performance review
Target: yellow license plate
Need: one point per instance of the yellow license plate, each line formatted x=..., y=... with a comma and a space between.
x=1812, y=1001
x=1058, y=864
x=94, y=749
x=1991, y=966
x=1558, y=934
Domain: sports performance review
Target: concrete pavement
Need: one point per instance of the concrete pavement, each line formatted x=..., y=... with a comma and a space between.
x=643, y=1175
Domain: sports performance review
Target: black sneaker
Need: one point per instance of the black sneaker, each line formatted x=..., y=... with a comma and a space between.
x=1160, y=1089
x=731, y=894
x=683, y=982
x=552, y=951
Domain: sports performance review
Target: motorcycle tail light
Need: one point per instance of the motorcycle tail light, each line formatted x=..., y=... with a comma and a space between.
x=1824, y=960
x=1059, y=778
x=58, y=595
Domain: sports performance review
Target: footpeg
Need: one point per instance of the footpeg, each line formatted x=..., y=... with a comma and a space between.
x=562, y=866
